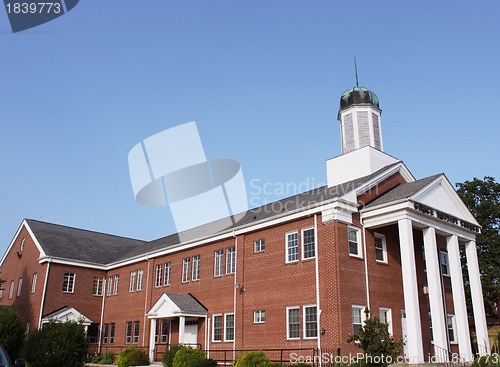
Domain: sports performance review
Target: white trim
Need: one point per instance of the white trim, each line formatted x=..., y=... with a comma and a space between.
x=384, y=248
x=362, y=308
x=260, y=313
x=42, y=303
x=287, y=261
x=359, y=255
x=388, y=312
x=221, y=325
x=225, y=327
x=302, y=243
x=288, y=322
x=37, y=244
x=304, y=321
x=454, y=328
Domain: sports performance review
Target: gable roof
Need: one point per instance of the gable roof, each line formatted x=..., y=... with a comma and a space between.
x=174, y=305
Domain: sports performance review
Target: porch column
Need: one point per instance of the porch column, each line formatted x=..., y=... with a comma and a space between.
x=410, y=291
x=457, y=287
x=152, y=342
x=440, y=340
x=477, y=298
x=182, y=325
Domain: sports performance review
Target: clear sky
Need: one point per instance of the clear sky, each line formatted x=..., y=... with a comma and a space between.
x=261, y=78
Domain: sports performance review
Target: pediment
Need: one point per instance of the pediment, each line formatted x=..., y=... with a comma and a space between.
x=66, y=314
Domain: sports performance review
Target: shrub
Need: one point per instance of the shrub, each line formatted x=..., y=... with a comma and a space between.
x=486, y=361
x=207, y=362
x=11, y=331
x=254, y=358
x=168, y=356
x=132, y=357
x=106, y=358
x=57, y=344
x=188, y=357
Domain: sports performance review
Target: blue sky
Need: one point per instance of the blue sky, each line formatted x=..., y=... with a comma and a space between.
x=262, y=79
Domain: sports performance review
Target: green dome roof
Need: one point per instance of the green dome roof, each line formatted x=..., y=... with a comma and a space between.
x=358, y=96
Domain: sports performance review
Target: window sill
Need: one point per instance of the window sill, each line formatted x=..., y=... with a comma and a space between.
x=359, y=257
x=382, y=262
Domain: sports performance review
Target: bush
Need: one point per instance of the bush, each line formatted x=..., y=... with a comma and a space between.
x=254, y=358
x=207, y=362
x=168, y=356
x=132, y=357
x=106, y=358
x=486, y=361
x=11, y=331
x=188, y=357
x=57, y=344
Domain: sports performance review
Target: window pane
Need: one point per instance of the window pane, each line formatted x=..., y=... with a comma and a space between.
x=311, y=322
x=229, y=327
x=166, y=274
x=218, y=262
x=308, y=243
x=353, y=242
x=217, y=334
x=158, y=278
x=293, y=323
x=292, y=247
x=231, y=260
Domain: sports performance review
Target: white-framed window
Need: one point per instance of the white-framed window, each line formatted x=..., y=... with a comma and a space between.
x=116, y=281
x=140, y=277
x=218, y=263
x=259, y=245
x=19, y=287
x=423, y=257
x=231, y=260
x=430, y=326
x=105, y=334
x=445, y=266
x=158, y=277
x=133, y=278
x=112, y=333
x=292, y=247
x=357, y=318
x=385, y=316
x=167, y=273
x=310, y=322
x=196, y=267
x=229, y=327
x=33, y=282
x=98, y=287
x=110, y=286
x=186, y=265
x=293, y=322
x=450, y=323
x=23, y=243
x=308, y=243
x=217, y=328
x=380, y=248
x=259, y=316
x=353, y=236
x=164, y=330
x=1, y=293
x=132, y=332
x=11, y=289
x=68, y=283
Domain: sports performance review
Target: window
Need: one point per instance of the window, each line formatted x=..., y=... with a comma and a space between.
x=385, y=316
x=33, y=282
x=158, y=278
x=445, y=269
x=293, y=322
x=23, y=242
x=217, y=328
x=292, y=247
x=196, y=267
x=310, y=321
x=140, y=276
x=105, y=334
x=380, y=248
x=229, y=327
x=1, y=292
x=112, y=333
x=259, y=317
x=110, y=286
x=450, y=322
x=430, y=326
x=68, y=283
x=259, y=245
x=19, y=287
x=133, y=277
x=132, y=332
x=164, y=331
x=166, y=273
x=423, y=257
x=116, y=283
x=186, y=263
x=357, y=318
x=231, y=260
x=218, y=262
x=11, y=289
x=97, y=289
x=308, y=244
x=128, y=333
x=354, y=243
x=136, y=332
x=93, y=333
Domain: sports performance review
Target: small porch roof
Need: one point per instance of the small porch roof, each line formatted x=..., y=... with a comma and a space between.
x=67, y=314
x=174, y=305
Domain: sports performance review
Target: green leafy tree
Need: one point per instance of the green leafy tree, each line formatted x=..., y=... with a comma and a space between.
x=132, y=357
x=188, y=357
x=378, y=345
x=253, y=358
x=482, y=197
x=11, y=331
x=57, y=344
x=168, y=356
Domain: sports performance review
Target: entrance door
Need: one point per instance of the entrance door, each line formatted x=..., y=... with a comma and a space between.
x=191, y=332
x=404, y=334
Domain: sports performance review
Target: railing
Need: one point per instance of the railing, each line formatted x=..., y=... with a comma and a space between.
x=287, y=355
x=446, y=358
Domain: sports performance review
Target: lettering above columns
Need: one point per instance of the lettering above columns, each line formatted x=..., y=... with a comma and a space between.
x=446, y=217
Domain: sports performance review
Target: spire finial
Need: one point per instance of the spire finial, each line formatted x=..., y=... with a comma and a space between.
x=356, y=71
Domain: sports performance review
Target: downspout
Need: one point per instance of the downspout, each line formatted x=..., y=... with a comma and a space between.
x=318, y=308
x=366, y=264
x=146, y=305
x=234, y=290
x=43, y=295
x=102, y=314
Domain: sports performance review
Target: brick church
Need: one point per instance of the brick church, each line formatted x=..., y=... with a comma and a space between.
x=296, y=274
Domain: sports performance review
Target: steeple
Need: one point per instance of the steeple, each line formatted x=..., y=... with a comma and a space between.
x=359, y=117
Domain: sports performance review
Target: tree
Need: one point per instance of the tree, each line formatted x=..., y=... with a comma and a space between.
x=482, y=197
x=11, y=331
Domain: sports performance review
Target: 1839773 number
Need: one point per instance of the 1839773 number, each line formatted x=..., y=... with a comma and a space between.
x=33, y=8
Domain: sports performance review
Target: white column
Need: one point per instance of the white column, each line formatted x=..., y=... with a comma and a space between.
x=457, y=287
x=182, y=326
x=410, y=291
x=477, y=298
x=440, y=340
x=152, y=343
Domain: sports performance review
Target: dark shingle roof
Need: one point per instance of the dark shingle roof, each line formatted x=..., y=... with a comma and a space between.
x=80, y=244
x=403, y=191
x=187, y=303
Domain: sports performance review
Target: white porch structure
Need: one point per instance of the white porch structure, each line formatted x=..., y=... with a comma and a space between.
x=67, y=314
x=436, y=210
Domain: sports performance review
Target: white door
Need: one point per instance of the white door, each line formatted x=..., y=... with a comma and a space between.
x=191, y=332
x=404, y=333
